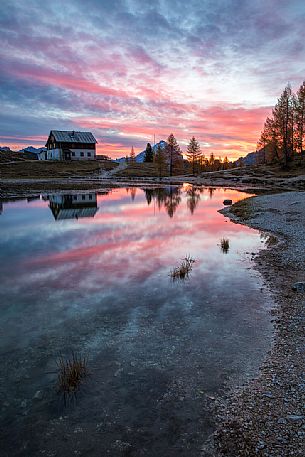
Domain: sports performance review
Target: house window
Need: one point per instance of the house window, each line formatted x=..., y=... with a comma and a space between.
x=82, y=154
x=89, y=154
x=90, y=197
x=83, y=197
x=73, y=154
x=74, y=197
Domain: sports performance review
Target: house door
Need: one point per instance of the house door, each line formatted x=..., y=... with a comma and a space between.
x=67, y=155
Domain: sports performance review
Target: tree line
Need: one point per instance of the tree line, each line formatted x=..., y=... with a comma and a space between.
x=170, y=160
x=283, y=136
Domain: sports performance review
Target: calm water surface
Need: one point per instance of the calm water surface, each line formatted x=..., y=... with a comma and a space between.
x=90, y=273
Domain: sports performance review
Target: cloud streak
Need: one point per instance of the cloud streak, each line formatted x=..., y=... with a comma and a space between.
x=129, y=70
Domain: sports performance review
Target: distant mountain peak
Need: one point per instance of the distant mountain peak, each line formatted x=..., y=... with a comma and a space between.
x=141, y=156
x=251, y=159
x=32, y=149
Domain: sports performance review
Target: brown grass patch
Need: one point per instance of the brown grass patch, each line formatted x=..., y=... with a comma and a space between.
x=40, y=169
x=183, y=270
x=145, y=170
x=71, y=373
x=139, y=170
x=242, y=209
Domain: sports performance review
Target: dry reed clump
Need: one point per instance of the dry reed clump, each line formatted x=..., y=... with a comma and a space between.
x=71, y=373
x=183, y=270
x=225, y=245
x=242, y=209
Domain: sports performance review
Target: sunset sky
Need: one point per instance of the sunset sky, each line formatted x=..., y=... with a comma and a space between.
x=129, y=69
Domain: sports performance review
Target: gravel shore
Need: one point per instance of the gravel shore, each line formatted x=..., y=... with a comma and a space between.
x=267, y=418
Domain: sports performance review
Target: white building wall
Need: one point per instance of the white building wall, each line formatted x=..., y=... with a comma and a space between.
x=54, y=154
x=77, y=154
x=83, y=154
x=43, y=155
x=84, y=198
x=75, y=198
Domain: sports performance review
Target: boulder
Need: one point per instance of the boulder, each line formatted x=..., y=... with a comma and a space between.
x=227, y=202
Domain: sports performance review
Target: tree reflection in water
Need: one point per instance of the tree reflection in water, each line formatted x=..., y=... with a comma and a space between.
x=167, y=197
x=193, y=197
x=170, y=197
x=211, y=191
x=133, y=192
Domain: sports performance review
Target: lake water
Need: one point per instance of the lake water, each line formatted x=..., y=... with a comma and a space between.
x=89, y=273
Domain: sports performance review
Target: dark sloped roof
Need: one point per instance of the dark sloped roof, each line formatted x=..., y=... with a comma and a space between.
x=73, y=213
x=66, y=136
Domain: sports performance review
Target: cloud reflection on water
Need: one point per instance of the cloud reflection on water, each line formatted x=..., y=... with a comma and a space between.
x=101, y=285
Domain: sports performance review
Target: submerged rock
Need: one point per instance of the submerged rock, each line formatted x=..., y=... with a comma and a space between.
x=38, y=395
x=299, y=287
x=295, y=417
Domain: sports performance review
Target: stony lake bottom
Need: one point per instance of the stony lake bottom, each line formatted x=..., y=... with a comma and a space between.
x=89, y=273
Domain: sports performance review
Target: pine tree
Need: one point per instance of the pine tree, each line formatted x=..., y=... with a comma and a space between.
x=300, y=119
x=282, y=131
x=202, y=162
x=225, y=163
x=193, y=153
x=160, y=160
x=283, y=122
x=132, y=155
x=219, y=163
x=149, y=155
x=268, y=143
x=174, y=154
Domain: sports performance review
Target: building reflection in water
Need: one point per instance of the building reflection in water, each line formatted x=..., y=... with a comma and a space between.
x=72, y=206
x=84, y=204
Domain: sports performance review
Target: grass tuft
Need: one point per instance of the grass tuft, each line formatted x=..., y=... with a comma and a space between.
x=71, y=373
x=225, y=245
x=183, y=270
